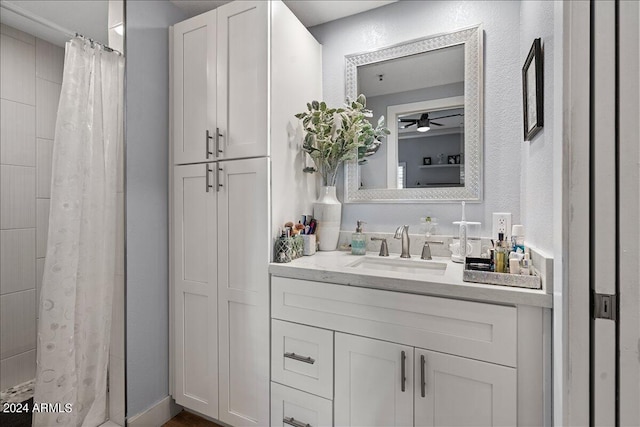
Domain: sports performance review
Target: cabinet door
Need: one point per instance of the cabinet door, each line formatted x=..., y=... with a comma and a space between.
x=455, y=391
x=294, y=407
x=194, y=89
x=243, y=291
x=369, y=385
x=243, y=78
x=195, y=289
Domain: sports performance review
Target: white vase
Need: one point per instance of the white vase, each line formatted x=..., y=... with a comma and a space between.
x=328, y=211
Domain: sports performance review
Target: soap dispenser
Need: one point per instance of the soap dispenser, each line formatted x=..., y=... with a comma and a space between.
x=359, y=240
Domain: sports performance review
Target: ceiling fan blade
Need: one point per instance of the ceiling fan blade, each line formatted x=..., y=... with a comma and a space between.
x=450, y=115
x=408, y=125
x=437, y=124
x=408, y=120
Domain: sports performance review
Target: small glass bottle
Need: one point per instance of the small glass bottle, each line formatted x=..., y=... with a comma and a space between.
x=501, y=255
x=359, y=240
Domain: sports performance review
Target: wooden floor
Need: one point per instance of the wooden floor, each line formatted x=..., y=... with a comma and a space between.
x=187, y=419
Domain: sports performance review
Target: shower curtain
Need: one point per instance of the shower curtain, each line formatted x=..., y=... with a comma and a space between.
x=79, y=274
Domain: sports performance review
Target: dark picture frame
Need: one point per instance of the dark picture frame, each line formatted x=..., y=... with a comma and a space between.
x=533, y=91
x=451, y=160
x=458, y=158
x=426, y=161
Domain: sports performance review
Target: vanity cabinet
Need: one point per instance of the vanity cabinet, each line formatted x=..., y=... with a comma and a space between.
x=412, y=360
x=374, y=382
x=239, y=75
x=456, y=391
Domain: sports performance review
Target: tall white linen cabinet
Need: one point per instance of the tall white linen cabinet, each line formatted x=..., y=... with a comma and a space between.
x=239, y=73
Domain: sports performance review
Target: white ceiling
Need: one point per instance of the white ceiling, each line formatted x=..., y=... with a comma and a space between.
x=309, y=12
x=87, y=17
x=430, y=69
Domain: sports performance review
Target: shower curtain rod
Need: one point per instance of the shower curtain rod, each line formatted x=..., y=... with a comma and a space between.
x=52, y=25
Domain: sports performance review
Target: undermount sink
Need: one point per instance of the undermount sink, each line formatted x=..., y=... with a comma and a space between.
x=400, y=265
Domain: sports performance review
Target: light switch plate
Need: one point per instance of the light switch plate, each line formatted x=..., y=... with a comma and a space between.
x=501, y=224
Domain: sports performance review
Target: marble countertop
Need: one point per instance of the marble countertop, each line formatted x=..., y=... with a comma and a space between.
x=334, y=267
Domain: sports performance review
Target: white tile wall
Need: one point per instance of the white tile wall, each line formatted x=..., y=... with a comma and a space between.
x=17, y=369
x=48, y=96
x=18, y=323
x=49, y=61
x=42, y=227
x=17, y=197
x=17, y=34
x=17, y=133
x=44, y=153
x=17, y=70
x=17, y=260
x=31, y=73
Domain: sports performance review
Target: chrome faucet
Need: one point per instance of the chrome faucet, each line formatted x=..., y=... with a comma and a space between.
x=403, y=233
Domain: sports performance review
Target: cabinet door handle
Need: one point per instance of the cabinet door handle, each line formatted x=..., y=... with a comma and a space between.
x=403, y=378
x=207, y=171
x=218, y=135
x=423, y=383
x=295, y=423
x=208, y=151
x=218, y=170
x=299, y=358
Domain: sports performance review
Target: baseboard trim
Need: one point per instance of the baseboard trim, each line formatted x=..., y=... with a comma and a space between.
x=157, y=415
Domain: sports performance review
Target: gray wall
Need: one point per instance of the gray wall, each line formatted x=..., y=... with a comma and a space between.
x=412, y=151
x=536, y=202
x=147, y=140
x=406, y=20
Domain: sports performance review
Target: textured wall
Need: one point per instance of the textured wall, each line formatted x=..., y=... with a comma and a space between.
x=407, y=20
x=147, y=136
x=536, y=200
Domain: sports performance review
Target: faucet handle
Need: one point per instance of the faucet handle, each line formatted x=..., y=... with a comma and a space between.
x=384, y=248
x=426, y=251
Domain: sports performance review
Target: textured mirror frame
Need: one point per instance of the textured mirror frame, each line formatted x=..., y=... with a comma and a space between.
x=473, y=103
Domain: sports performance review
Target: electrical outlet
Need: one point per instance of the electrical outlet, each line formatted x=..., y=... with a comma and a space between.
x=501, y=224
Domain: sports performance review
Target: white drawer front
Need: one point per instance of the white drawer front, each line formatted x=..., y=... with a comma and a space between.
x=302, y=357
x=470, y=329
x=298, y=408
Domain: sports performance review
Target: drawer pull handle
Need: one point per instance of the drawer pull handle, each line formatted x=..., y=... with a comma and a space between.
x=293, y=422
x=299, y=358
x=423, y=383
x=403, y=378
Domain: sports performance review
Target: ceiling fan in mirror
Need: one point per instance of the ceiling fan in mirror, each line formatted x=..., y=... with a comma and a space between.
x=424, y=122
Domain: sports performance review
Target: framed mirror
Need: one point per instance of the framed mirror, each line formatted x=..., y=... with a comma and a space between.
x=430, y=92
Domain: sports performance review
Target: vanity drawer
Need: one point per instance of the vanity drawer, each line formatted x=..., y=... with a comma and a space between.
x=471, y=329
x=302, y=357
x=298, y=408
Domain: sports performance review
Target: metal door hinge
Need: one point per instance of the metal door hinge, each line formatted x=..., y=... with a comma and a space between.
x=605, y=306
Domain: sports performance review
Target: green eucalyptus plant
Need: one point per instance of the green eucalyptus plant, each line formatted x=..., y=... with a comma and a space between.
x=336, y=135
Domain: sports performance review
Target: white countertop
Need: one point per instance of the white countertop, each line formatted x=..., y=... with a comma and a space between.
x=333, y=267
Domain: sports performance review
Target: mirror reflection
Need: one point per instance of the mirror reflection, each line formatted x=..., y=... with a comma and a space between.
x=426, y=146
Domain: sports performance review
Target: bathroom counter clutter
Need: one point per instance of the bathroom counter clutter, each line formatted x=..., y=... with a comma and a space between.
x=439, y=277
